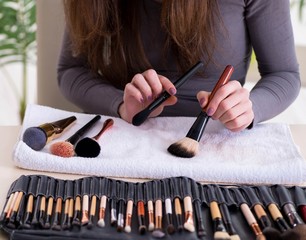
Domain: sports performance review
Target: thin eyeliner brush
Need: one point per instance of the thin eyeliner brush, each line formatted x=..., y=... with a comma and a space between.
x=197, y=209
x=188, y=147
x=140, y=117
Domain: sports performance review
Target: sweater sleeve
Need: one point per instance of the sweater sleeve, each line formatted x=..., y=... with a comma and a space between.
x=90, y=92
x=271, y=35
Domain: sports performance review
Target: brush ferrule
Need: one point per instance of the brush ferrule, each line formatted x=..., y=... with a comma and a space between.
x=197, y=128
x=256, y=229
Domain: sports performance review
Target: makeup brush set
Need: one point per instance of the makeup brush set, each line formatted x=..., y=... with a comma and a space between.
x=42, y=207
x=76, y=145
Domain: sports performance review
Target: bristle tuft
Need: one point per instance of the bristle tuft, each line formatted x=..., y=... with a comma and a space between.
x=101, y=223
x=87, y=147
x=221, y=236
x=158, y=233
x=261, y=237
x=35, y=138
x=189, y=227
x=235, y=237
x=62, y=149
x=185, y=148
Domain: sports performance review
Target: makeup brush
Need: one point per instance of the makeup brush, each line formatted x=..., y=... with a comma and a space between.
x=189, y=146
x=158, y=232
x=37, y=137
x=226, y=214
x=129, y=210
x=89, y=147
x=188, y=209
x=140, y=117
x=148, y=188
x=103, y=188
x=66, y=148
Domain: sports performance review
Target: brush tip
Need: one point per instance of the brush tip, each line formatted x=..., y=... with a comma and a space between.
x=87, y=147
x=151, y=227
x=101, y=223
x=127, y=229
x=158, y=233
x=235, y=237
x=261, y=237
x=189, y=227
x=62, y=149
x=222, y=235
x=170, y=229
x=142, y=229
x=35, y=138
x=185, y=148
x=140, y=117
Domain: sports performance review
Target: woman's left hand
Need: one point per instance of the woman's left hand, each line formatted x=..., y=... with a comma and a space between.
x=231, y=105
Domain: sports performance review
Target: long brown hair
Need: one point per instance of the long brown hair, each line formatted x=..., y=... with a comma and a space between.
x=107, y=33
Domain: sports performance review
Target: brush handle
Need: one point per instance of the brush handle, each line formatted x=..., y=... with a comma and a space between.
x=140, y=117
x=78, y=134
x=178, y=83
x=106, y=125
x=197, y=128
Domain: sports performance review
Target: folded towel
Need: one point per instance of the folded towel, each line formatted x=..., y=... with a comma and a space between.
x=265, y=154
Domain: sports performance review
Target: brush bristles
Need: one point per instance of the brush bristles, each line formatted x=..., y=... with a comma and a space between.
x=87, y=147
x=62, y=149
x=158, y=233
x=185, y=148
x=189, y=227
x=35, y=138
x=235, y=237
x=261, y=237
x=101, y=223
x=221, y=236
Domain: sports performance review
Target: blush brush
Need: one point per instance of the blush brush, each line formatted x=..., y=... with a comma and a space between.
x=66, y=148
x=140, y=117
x=89, y=147
x=188, y=147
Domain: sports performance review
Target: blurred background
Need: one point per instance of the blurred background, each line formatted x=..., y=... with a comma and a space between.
x=30, y=40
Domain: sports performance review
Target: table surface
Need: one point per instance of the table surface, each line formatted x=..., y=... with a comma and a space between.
x=10, y=173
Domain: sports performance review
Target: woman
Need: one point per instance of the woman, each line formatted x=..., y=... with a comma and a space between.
x=117, y=56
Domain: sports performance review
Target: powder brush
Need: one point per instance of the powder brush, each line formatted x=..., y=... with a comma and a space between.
x=188, y=147
x=37, y=137
x=89, y=147
x=140, y=117
x=66, y=148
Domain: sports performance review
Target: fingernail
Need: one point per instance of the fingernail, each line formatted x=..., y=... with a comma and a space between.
x=150, y=98
x=172, y=91
x=202, y=101
x=141, y=100
x=210, y=111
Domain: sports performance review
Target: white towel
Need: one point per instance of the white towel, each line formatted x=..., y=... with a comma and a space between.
x=264, y=155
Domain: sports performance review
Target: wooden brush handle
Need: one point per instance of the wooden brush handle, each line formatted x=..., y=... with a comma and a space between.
x=224, y=78
x=106, y=125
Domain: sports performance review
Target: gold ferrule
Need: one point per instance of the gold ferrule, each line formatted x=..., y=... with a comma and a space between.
x=102, y=213
x=128, y=220
x=84, y=216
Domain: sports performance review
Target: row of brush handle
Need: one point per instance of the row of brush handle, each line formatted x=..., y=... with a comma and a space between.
x=162, y=206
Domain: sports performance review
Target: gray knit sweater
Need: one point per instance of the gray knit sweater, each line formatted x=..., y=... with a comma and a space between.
x=263, y=25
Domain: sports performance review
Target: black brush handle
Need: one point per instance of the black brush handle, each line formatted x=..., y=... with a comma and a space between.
x=179, y=82
x=140, y=117
x=197, y=128
x=78, y=134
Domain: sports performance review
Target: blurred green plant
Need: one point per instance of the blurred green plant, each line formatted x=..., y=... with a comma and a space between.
x=18, y=43
x=301, y=4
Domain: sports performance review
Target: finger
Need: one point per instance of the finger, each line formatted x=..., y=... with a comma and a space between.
x=131, y=91
x=153, y=81
x=167, y=85
x=140, y=82
x=170, y=101
x=202, y=97
x=234, y=105
x=221, y=94
x=241, y=122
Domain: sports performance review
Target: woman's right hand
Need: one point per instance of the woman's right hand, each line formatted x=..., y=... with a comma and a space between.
x=142, y=91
